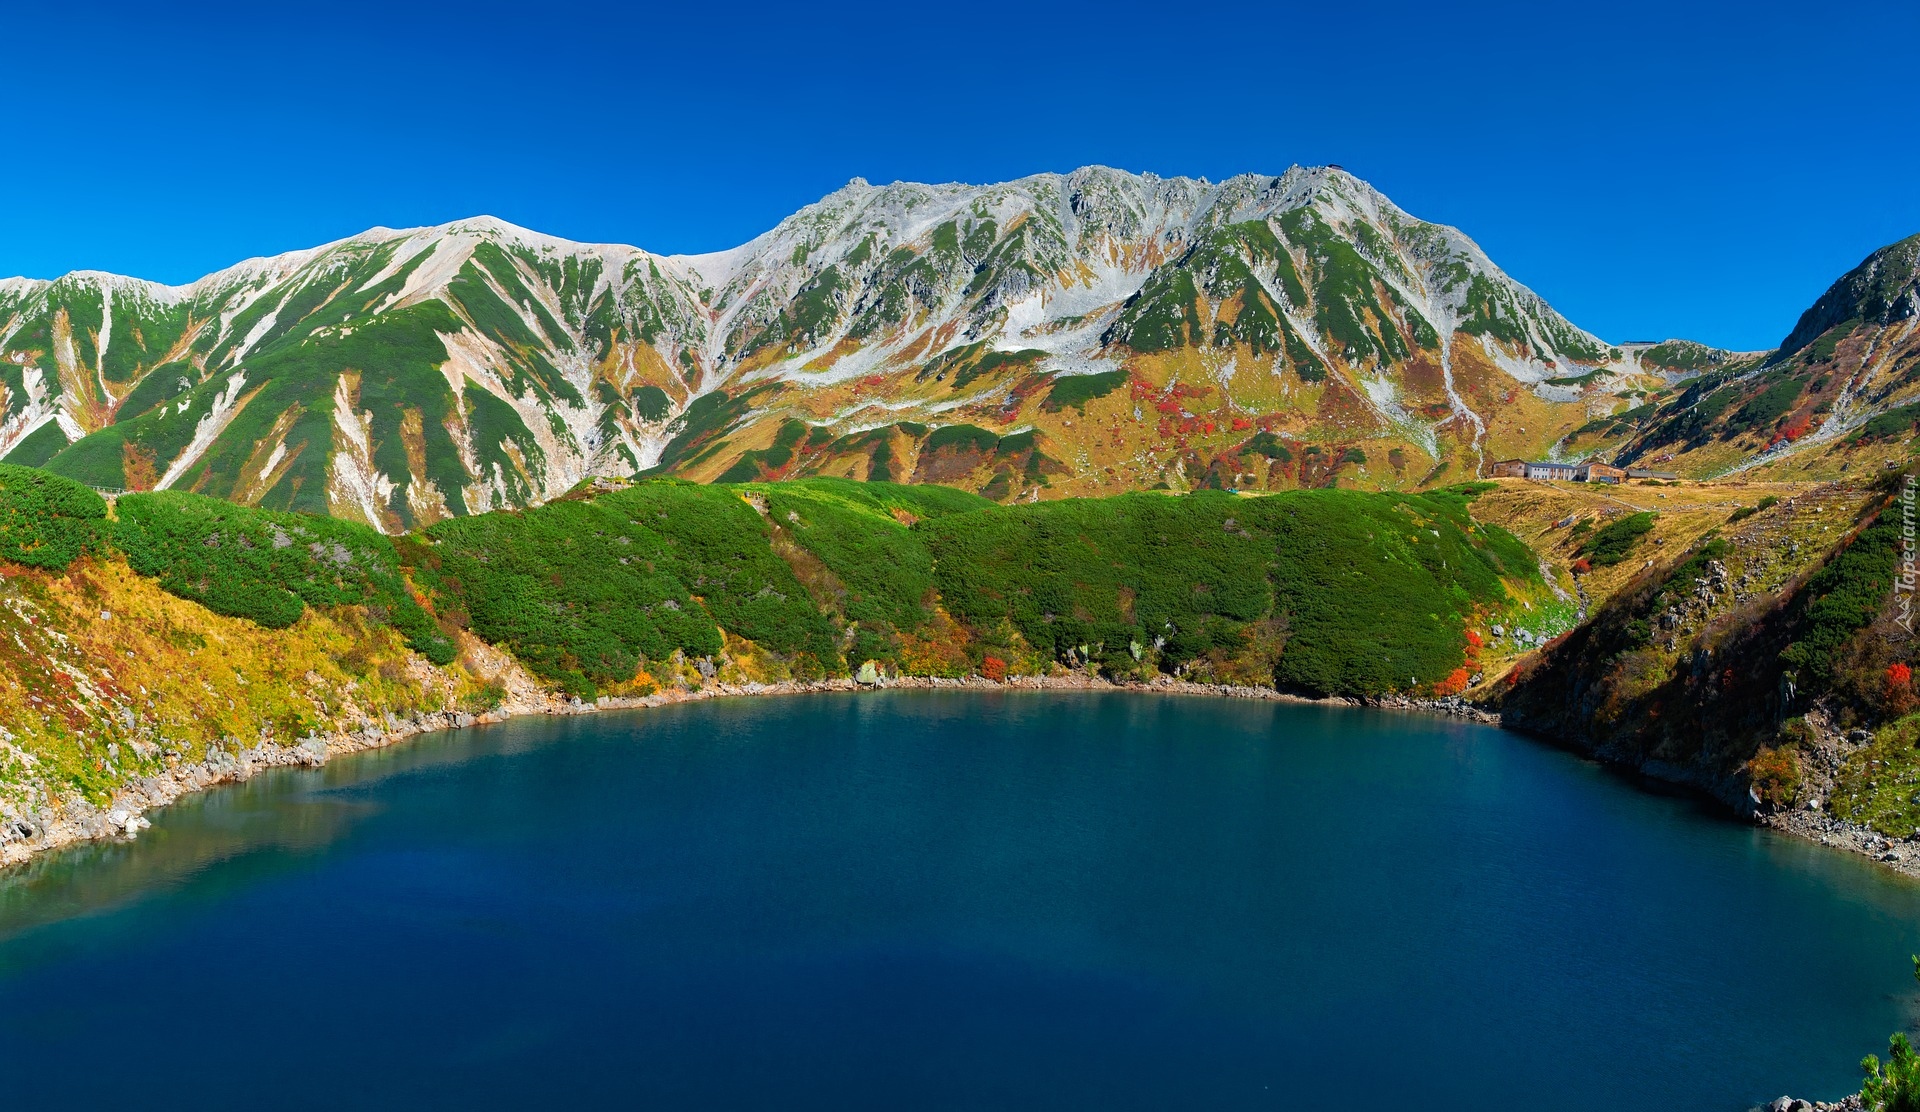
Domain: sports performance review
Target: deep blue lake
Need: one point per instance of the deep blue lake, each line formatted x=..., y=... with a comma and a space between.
x=933, y=900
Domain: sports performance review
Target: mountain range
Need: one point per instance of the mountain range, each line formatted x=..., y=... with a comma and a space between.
x=1061, y=334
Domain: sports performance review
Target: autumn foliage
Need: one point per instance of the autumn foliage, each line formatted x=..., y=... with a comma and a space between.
x=1899, y=692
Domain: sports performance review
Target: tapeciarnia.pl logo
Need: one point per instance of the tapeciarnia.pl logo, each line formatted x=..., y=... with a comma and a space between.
x=1903, y=586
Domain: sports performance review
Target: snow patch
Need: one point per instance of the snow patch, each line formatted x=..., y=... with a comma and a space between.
x=353, y=483
x=33, y=411
x=212, y=424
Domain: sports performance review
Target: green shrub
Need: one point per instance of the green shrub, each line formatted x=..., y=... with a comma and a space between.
x=1894, y=1087
x=1841, y=599
x=1822, y=348
x=39, y=446
x=962, y=438
x=1611, y=543
x=47, y=521
x=652, y=403
x=1363, y=593
x=862, y=533
x=1768, y=406
x=574, y=591
x=1078, y=390
x=1268, y=445
x=1352, y=593
x=1676, y=586
x=1894, y=422
x=1681, y=355
x=774, y=457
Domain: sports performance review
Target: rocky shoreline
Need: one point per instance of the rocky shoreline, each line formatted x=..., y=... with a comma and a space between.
x=1813, y=820
x=1902, y=855
x=1791, y=1104
x=125, y=814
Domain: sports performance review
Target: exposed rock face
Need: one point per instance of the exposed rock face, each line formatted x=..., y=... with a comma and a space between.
x=1790, y=1104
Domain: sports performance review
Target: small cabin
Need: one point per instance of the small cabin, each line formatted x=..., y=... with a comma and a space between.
x=1550, y=471
x=1508, y=469
x=1595, y=472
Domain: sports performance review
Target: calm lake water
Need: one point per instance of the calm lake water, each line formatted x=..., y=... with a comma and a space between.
x=930, y=900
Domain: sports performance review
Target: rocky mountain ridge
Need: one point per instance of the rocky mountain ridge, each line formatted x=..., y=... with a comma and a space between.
x=1075, y=333
x=1062, y=332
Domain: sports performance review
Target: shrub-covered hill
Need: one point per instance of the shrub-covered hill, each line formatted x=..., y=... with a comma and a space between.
x=1325, y=591
x=1328, y=591
x=269, y=567
x=164, y=627
x=239, y=561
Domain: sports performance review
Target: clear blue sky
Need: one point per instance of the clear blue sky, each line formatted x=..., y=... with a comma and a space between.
x=1653, y=169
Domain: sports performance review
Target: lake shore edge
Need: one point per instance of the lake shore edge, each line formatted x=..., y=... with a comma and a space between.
x=124, y=815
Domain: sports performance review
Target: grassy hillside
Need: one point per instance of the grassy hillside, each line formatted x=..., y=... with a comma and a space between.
x=106, y=678
x=251, y=563
x=1738, y=655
